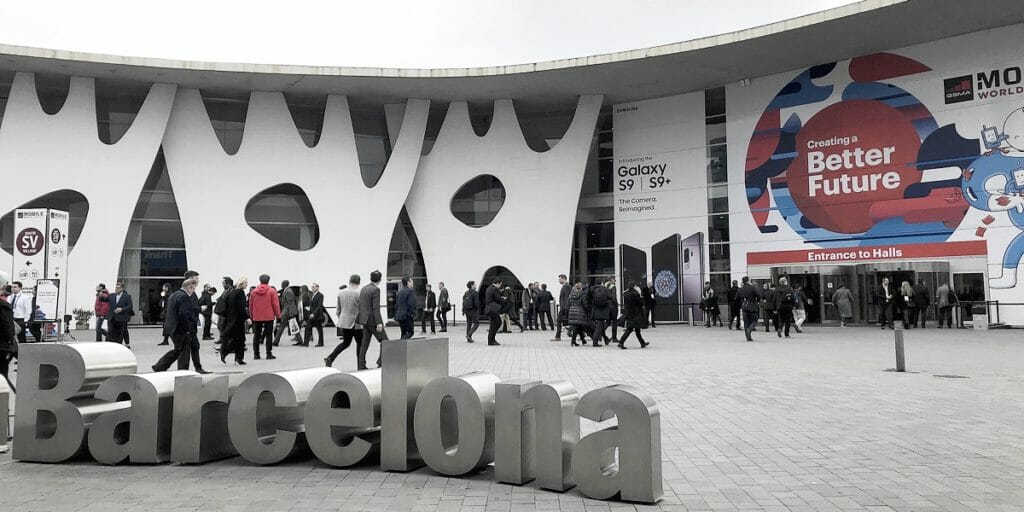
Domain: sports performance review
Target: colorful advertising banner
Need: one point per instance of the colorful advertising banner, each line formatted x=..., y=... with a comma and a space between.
x=660, y=199
x=910, y=148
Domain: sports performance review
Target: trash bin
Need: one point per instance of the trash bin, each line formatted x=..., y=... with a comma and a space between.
x=979, y=312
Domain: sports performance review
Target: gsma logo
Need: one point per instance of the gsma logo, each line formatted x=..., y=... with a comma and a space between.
x=959, y=89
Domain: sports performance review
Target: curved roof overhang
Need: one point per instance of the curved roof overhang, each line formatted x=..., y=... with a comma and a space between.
x=855, y=29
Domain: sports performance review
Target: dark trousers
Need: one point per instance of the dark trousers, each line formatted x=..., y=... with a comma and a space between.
x=472, y=323
x=442, y=319
x=561, y=319
x=885, y=314
x=785, y=317
x=599, y=331
x=749, y=323
x=347, y=337
x=364, y=344
x=236, y=347
x=263, y=332
x=631, y=328
x=100, y=331
x=186, y=345
x=427, y=315
x=771, y=315
x=207, y=325
x=5, y=365
x=494, y=323
x=36, y=329
x=117, y=331
x=406, y=327
x=734, y=314
x=541, y=315
x=530, y=318
x=578, y=330
x=613, y=322
x=282, y=326
x=308, y=336
x=946, y=315
x=649, y=311
x=922, y=316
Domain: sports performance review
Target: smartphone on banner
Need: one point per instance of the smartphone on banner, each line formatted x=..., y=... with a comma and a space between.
x=665, y=272
x=691, y=252
x=633, y=263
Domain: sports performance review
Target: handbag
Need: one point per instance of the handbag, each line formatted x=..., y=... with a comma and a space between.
x=621, y=321
x=293, y=326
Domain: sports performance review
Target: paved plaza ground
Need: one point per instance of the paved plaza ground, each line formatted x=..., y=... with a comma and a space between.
x=813, y=423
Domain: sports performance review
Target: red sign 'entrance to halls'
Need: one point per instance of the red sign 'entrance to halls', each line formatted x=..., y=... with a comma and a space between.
x=873, y=253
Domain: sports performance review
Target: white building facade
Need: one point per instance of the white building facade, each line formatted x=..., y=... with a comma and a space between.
x=836, y=149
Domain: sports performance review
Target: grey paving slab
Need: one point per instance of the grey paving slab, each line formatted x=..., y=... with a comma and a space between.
x=809, y=423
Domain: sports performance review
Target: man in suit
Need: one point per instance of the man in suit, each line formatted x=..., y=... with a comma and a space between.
x=494, y=301
x=529, y=307
x=922, y=299
x=945, y=298
x=369, y=317
x=182, y=322
x=120, y=312
x=405, y=308
x=429, y=306
x=444, y=305
x=471, y=308
x=647, y=294
x=544, y=299
x=289, y=310
x=21, y=306
x=316, y=317
x=206, y=305
x=884, y=298
x=563, y=305
x=348, y=314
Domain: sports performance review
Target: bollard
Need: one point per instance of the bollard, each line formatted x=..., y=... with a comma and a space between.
x=901, y=365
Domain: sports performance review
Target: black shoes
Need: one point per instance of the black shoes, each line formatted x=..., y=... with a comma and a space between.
x=201, y=371
x=622, y=346
x=240, y=362
x=644, y=344
x=493, y=343
x=328, y=363
x=162, y=343
x=780, y=334
x=271, y=356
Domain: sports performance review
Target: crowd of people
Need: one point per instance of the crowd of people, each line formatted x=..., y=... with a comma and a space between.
x=589, y=314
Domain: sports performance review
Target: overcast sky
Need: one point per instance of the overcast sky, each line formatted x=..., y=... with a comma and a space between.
x=388, y=33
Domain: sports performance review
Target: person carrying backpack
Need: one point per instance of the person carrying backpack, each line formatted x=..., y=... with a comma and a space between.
x=600, y=309
x=785, y=300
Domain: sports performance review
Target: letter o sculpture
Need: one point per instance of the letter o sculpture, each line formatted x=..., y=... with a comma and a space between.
x=473, y=397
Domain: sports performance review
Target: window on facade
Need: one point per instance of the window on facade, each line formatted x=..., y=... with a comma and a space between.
x=52, y=91
x=718, y=160
x=154, y=247
x=477, y=202
x=718, y=228
x=405, y=259
x=718, y=199
x=719, y=257
x=227, y=116
x=67, y=200
x=284, y=215
x=605, y=148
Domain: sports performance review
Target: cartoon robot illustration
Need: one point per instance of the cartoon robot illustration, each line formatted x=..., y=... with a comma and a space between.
x=995, y=183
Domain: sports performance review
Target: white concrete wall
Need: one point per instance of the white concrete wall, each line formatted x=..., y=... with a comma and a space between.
x=41, y=153
x=212, y=189
x=532, y=234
